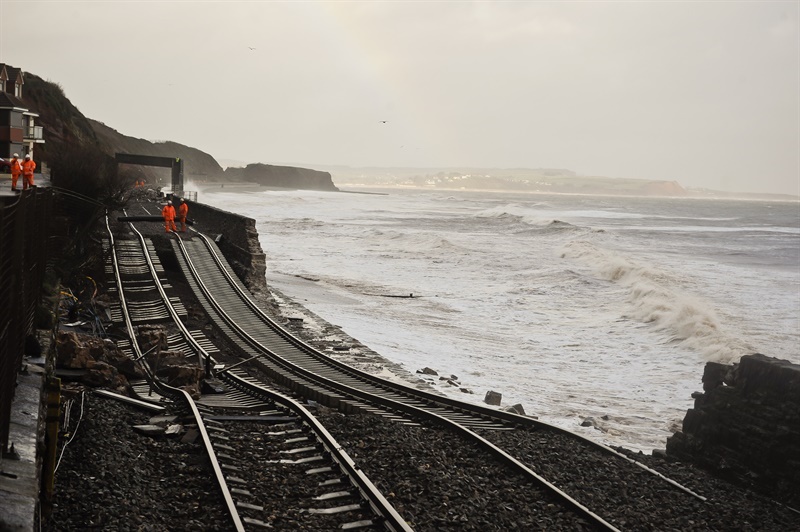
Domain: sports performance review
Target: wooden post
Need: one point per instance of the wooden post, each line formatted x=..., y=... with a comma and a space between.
x=52, y=419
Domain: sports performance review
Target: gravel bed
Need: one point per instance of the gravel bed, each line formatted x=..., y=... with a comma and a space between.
x=284, y=490
x=113, y=478
x=633, y=499
x=437, y=482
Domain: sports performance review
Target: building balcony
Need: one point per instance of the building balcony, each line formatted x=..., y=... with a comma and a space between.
x=33, y=133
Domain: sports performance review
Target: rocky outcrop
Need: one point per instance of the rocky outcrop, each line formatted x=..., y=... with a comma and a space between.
x=268, y=175
x=746, y=425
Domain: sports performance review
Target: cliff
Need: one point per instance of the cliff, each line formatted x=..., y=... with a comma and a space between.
x=197, y=164
x=540, y=180
x=62, y=123
x=64, y=126
x=282, y=176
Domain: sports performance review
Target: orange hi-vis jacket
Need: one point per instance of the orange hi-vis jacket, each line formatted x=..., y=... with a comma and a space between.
x=183, y=210
x=28, y=166
x=168, y=212
x=16, y=167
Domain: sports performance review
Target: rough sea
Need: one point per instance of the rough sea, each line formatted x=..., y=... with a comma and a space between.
x=573, y=306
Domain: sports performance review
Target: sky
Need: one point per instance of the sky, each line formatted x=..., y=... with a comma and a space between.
x=703, y=93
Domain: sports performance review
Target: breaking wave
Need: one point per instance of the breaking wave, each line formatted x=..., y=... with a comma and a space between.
x=410, y=242
x=514, y=213
x=521, y=221
x=656, y=298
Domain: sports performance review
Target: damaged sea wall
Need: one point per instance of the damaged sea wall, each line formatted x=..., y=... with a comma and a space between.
x=746, y=425
x=239, y=242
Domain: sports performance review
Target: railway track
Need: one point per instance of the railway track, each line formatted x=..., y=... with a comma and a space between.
x=609, y=490
x=338, y=494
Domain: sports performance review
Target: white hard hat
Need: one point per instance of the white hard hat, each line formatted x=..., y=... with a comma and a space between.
x=16, y=155
x=169, y=203
x=27, y=155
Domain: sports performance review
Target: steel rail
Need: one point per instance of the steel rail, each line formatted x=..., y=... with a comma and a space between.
x=412, y=393
x=419, y=413
x=223, y=486
x=369, y=492
x=355, y=378
x=187, y=336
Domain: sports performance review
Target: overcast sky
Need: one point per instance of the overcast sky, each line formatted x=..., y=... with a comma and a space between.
x=704, y=93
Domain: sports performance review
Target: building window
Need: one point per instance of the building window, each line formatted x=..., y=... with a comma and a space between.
x=18, y=90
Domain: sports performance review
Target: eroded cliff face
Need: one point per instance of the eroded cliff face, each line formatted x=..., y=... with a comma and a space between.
x=746, y=425
x=268, y=175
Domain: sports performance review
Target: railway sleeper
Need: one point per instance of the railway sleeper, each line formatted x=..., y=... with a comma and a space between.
x=334, y=495
x=288, y=430
x=300, y=461
x=255, y=522
x=298, y=450
x=336, y=509
x=366, y=523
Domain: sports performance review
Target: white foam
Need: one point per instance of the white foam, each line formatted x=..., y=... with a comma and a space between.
x=655, y=297
x=621, y=325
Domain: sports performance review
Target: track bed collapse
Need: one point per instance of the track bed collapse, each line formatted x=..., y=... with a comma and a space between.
x=441, y=463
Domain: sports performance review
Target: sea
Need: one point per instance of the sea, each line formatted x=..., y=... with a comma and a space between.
x=592, y=309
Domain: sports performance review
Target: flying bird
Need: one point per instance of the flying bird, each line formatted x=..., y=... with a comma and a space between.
x=382, y=121
x=251, y=47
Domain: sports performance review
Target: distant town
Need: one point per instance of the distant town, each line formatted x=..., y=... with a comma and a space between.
x=531, y=180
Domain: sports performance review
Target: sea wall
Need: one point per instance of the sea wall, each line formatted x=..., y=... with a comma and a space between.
x=745, y=426
x=239, y=242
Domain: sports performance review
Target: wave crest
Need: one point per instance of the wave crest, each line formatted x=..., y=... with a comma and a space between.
x=410, y=242
x=657, y=299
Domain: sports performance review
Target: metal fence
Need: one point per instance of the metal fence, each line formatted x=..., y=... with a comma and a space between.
x=24, y=232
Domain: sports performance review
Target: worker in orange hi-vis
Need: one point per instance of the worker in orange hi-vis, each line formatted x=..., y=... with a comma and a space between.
x=16, y=170
x=183, y=210
x=28, y=166
x=168, y=212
